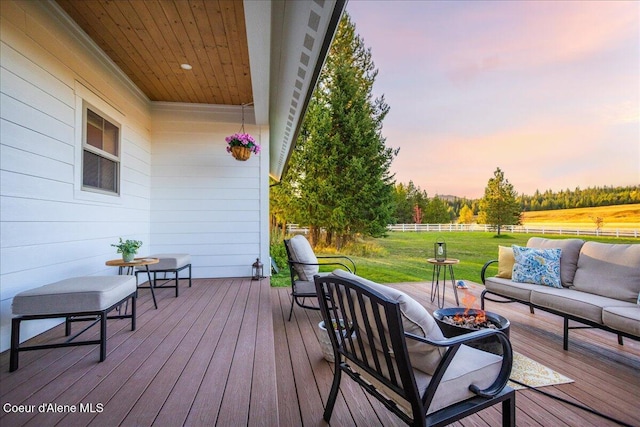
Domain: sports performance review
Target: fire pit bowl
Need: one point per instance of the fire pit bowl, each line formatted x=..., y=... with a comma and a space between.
x=449, y=330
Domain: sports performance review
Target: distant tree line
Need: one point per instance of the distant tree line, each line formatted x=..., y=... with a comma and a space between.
x=578, y=198
x=410, y=199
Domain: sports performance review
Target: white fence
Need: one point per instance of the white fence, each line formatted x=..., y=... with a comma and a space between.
x=538, y=229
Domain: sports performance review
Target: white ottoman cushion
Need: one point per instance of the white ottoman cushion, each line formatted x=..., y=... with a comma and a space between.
x=74, y=295
x=169, y=261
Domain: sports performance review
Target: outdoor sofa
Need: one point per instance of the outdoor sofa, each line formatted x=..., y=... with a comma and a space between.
x=595, y=284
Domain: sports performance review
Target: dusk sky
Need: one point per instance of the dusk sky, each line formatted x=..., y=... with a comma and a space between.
x=547, y=91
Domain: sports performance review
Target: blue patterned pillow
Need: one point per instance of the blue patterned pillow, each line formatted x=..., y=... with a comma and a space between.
x=537, y=266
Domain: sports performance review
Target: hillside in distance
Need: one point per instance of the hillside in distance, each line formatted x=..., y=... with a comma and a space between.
x=616, y=216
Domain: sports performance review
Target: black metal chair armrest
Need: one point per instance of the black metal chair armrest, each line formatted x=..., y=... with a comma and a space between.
x=324, y=263
x=455, y=342
x=484, y=269
x=351, y=269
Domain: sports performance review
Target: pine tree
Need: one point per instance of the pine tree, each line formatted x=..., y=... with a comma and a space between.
x=499, y=206
x=339, y=171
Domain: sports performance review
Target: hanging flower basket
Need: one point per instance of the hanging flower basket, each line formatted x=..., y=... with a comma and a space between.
x=240, y=153
x=241, y=145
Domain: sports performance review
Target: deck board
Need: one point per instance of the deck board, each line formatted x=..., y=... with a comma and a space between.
x=224, y=353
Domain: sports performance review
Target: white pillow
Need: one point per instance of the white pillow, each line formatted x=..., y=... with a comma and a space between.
x=301, y=251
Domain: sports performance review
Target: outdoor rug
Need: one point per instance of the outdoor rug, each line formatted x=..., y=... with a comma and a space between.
x=534, y=374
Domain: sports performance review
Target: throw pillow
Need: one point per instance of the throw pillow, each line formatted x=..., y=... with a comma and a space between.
x=537, y=266
x=505, y=262
x=301, y=251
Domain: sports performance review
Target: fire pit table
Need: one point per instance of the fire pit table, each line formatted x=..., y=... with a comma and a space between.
x=457, y=321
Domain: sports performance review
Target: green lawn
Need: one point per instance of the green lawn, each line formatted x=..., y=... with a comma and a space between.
x=404, y=255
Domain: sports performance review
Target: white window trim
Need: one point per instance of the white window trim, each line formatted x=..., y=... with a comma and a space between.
x=85, y=97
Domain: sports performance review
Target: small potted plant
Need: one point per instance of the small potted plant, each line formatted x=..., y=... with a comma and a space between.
x=128, y=249
x=241, y=145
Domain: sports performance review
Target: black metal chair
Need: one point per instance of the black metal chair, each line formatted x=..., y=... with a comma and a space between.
x=303, y=265
x=374, y=349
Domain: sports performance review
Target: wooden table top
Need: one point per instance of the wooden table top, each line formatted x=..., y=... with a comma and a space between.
x=448, y=261
x=136, y=262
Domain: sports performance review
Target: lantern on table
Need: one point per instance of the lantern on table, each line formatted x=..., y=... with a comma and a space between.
x=440, y=250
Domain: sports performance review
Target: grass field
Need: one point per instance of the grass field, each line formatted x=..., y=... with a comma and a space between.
x=402, y=256
x=614, y=217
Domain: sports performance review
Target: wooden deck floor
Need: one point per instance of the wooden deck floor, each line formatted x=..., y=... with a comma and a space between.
x=224, y=354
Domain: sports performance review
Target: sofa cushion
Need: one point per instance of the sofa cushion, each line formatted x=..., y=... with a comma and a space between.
x=611, y=270
x=301, y=251
x=537, y=266
x=509, y=288
x=581, y=304
x=415, y=320
x=505, y=262
x=625, y=319
x=569, y=259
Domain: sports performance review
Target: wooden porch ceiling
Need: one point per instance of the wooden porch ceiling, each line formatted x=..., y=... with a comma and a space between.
x=150, y=39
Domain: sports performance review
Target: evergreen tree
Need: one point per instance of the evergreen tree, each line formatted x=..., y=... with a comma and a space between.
x=499, y=205
x=339, y=171
x=437, y=212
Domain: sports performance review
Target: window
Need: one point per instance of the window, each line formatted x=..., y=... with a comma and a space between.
x=100, y=152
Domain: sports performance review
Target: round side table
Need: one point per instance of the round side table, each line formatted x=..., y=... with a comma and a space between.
x=439, y=266
x=131, y=265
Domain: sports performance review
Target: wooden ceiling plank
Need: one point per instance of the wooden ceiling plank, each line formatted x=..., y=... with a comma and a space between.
x=208, y=58
x=170, y=10
x=114, y=37
x=222, y=49
x=189, y=13
x=216, y=25
x=228, y=17
x=124, y=17
x=245, y=87
x=158, y=24
x=167, y=71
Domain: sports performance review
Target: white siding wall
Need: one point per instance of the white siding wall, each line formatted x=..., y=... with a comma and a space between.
x=49, y=229
x=204, y=202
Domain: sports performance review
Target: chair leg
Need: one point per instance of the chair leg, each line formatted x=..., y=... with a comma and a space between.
x=565, y=340
x=133, y=311
x=509, y=411
x=103, y=336
x=335, y=387
x=15, y=344
x=189, y=275
x=177, y=278
x=293, y=300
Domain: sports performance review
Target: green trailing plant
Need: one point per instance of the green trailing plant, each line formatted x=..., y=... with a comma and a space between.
x=127, y=246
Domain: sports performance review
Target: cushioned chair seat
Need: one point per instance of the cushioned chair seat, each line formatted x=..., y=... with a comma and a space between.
x=170, y=261
x=469, y=366
x=74, y=295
